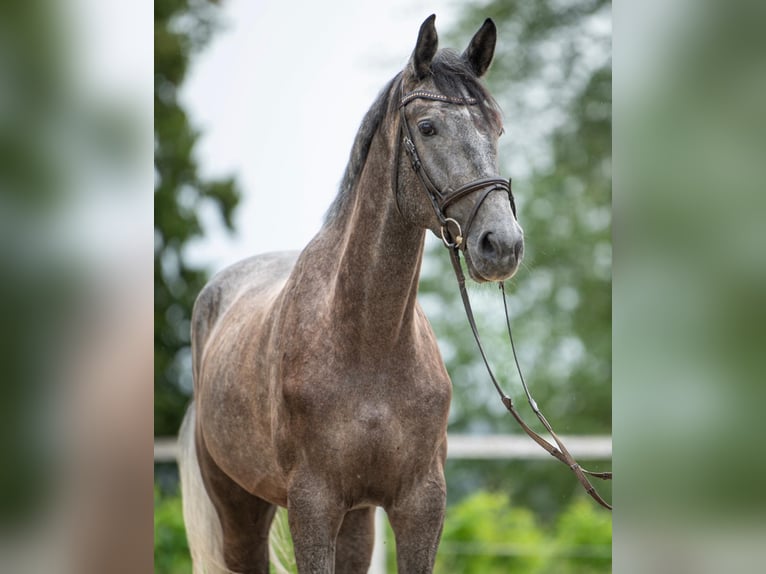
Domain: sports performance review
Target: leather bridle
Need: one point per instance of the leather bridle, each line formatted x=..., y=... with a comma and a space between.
x=441, y=200
x=454, y=242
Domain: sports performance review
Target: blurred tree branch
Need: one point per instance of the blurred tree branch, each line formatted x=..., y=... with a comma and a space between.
x=181, y=28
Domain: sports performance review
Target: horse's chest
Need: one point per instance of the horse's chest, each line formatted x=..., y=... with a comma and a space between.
x=362, y=423
x=368, y=421
x=370, y=449
x=374, y=401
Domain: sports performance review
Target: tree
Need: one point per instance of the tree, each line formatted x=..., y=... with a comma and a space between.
x=181, y=28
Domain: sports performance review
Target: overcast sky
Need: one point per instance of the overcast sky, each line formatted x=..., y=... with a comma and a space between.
x=279, y=94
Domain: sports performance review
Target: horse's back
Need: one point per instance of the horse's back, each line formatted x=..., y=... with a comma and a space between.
x=250, y=284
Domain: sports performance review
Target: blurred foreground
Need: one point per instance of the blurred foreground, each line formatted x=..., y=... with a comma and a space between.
x=689, y=286
x=76, y=291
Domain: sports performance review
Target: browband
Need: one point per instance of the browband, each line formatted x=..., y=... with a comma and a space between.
x=423, y=95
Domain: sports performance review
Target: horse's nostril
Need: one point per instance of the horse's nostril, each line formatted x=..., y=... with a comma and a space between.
x=518, y=250
x=488, y=245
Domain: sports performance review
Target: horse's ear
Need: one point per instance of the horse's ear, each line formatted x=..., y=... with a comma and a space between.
x=479, y=52
x=425, y=49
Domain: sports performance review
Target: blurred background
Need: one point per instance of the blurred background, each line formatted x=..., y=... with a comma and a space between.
x=249, y=91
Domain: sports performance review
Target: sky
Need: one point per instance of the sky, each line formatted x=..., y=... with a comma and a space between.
x=278, y=95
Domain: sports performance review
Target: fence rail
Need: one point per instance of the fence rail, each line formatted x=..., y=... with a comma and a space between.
x=489, y=447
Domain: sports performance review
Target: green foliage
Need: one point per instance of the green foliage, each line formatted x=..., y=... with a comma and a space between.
x=583, y=535
x=171, y=552
x=483, y=534
x=181, y=28
x=486, y=534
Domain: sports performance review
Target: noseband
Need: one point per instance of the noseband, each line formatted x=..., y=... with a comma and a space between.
x=441, y=200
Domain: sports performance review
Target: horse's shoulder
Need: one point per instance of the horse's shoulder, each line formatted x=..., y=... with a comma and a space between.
x=254, y=273
x=247, y=283
x=256, y=269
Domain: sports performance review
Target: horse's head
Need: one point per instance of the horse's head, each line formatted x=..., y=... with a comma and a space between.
x=449, y=127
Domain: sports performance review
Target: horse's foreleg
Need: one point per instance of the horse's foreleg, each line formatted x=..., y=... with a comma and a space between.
x=315, y=517
x=355, y=542
x=417, y=521
x=245, y=519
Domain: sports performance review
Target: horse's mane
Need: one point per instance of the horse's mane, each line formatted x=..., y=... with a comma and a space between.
x=360, y=150
x=453, y=77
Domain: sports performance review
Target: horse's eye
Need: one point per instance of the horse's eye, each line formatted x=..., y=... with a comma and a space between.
x=427, y=128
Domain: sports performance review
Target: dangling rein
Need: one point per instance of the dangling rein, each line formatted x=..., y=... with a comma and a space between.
x=440, y=200
x=561, y=453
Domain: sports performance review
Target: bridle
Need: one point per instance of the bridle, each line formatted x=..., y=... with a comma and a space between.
x=440, y=200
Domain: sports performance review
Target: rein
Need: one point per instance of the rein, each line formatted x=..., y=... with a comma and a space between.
x=453, y=241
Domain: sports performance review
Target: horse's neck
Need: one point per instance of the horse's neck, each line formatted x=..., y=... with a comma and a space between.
x=378, y=260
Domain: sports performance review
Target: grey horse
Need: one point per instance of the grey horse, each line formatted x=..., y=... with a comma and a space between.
x=318, y=383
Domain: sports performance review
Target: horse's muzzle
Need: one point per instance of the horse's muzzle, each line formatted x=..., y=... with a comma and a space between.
x=495, y=246
x=494, y=259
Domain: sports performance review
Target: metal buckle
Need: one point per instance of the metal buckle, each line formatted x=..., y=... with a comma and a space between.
x=409, y=147
x=458, y=238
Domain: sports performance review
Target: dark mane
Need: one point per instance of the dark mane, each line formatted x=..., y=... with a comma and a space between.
x=452, y=76
x=360, y=150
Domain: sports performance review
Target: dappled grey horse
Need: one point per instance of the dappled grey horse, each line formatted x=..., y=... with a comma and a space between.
x=318, y=383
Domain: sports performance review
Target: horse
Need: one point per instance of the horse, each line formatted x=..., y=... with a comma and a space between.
x=318, y=382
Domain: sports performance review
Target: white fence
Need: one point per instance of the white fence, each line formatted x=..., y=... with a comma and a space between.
x=489, y=447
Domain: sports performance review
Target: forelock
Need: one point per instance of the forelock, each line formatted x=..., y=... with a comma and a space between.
x=454, y=77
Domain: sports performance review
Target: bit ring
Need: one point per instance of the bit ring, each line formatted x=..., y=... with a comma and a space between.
x=458, y=238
